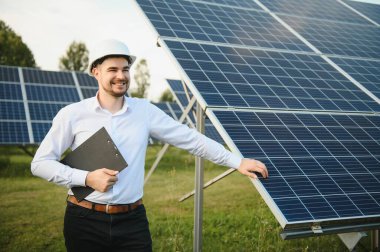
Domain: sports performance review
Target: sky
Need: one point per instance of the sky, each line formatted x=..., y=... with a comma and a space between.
x=48, y=27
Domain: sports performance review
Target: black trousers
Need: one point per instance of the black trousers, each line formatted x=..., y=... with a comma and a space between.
x=89, y=230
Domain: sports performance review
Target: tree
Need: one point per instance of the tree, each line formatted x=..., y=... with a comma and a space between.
x=167, y=96
x=14, y=52
x=142, y=78
x=76, y=58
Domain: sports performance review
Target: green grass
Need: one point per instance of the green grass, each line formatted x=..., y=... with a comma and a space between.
x=235, y=216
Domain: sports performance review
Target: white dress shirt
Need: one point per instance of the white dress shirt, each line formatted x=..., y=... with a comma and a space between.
x=130, y=129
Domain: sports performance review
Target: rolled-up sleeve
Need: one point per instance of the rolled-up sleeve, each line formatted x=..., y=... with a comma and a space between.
x=168, y=130
x=46, y=163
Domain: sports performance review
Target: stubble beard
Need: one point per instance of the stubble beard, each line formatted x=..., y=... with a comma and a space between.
x=110, y=91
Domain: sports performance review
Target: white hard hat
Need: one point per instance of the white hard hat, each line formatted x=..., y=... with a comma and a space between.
x=106, y=48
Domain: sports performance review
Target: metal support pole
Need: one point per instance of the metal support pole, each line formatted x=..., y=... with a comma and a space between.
x=198, y=199
x=375, y=246
x=207, y=184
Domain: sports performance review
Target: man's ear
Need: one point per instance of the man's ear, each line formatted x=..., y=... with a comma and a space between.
x=95, y=71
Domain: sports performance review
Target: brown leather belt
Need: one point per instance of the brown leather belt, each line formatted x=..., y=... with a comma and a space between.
x=109, y=209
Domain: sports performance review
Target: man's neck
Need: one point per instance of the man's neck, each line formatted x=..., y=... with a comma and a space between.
x=111, y=103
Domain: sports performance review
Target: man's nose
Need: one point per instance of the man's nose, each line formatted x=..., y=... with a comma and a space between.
x=122, y=75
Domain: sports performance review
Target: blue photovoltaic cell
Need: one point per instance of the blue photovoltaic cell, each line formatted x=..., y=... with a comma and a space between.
x=229, y=76
x=321, y=166
x=9, y=74
x=177, y=88
x=223, y=24
x=236, y=3
x=321, y=9
x=86, y=81
x=12, y=110
x=367, y=72
x=14, y=133
x=47, y=77
x=211, y=132
x=370, y=10
x=88, y=92
x=46, y=91
x=336, y=38
x=164, y=107
x=44, y=111
x=40, y=130
x=176, y=109
x=51, y=93
x=10, y=91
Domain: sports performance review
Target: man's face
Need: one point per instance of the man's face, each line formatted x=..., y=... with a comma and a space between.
x=113, y=76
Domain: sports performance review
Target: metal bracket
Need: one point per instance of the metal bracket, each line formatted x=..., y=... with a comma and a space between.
x=316, y=228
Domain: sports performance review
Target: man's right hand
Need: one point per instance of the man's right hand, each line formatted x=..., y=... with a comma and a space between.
x=102, y=179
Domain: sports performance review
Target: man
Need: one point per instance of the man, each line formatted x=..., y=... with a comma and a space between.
x=113, y=217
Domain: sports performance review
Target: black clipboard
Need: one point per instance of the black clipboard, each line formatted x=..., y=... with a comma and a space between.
x=98, y=151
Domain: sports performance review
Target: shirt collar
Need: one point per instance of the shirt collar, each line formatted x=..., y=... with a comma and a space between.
x=95, y=105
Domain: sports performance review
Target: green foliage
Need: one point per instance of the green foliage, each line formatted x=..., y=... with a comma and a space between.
x=13, y=51
x=14, y=162
x=167, y=96
x=76, y=58
x=142, y=78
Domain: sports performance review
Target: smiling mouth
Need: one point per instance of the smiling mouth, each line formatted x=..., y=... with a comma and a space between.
x=119, y=83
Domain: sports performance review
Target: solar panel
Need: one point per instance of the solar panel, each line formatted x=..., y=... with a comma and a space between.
x=248, y=78
x=47, y=77
x=336, y=38
x=236, y=3
x=9, y=74
x=44, y=111
x=30, y=98
x=13, y=132
x=315, y=161
x=179, y=93
x=40, y=129
x=321, y=9
x=219, y=24
x=267, y=82
x=45, y=93
x=366, y=72
x=370, y=10
x=52, y=93
x=12, y=110
x=166, y=107
x=10, y=91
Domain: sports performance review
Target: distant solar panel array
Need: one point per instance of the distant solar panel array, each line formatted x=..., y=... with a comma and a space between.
x=30, y=98
x=294, y=83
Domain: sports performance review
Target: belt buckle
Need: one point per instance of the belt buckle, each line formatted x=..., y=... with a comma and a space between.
x=107, y=208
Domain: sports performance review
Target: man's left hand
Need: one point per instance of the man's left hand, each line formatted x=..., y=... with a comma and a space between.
x=248, y=167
